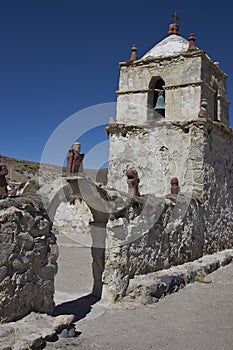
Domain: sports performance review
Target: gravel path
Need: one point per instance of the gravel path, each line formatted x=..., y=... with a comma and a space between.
x=198, y=317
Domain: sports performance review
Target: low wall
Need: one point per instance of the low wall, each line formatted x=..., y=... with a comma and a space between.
x=152, y=234
x=28, y=255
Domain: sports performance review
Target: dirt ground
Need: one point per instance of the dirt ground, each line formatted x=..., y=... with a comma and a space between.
x=198, y=317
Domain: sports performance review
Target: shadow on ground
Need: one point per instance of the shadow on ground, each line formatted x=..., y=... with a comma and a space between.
x=79, y=307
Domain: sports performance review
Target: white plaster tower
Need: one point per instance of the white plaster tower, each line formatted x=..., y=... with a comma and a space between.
x=177, y=139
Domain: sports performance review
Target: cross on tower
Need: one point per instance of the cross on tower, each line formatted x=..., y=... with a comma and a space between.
x=176, y=17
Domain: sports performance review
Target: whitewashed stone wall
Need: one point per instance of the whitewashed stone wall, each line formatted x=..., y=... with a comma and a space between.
x=135, y=79
x=159, y=151
x=188, y=77
x=162, y=150
x=28, y=255
x=215, y=81
x=199, y=153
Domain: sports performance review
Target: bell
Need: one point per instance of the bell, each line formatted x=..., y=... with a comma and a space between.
x=160, y=104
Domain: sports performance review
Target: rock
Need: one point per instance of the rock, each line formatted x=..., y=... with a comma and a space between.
x=7, y=334
x=32, y=185
x=68, y=333
x=202, y=277
x=51, y=337
x=63, y=322
x=30, y=332
x=3, y=273
x=26, y=240
x=31, y=341
x=20, y=345
x=71, y=332
x=37, y=343
x=6, y=331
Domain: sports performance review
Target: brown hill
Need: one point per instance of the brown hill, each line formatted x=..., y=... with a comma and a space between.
x=21, y=170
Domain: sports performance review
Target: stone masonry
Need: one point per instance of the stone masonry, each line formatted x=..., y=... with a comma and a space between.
x=188, y=77
x=153, y=234
x=28, y=255
x=158, y=231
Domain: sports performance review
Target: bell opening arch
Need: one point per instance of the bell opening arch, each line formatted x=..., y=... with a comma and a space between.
x=156, y=95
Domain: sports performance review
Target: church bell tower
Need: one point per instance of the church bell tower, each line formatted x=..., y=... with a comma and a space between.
x=172, y=117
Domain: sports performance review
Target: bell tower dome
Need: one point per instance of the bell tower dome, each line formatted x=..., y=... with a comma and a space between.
x=171, y=80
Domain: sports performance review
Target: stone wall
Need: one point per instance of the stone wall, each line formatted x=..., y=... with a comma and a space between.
x=218, y=188
x=215, y=83
x=162, y=150
x=154, y=234
x=159, y=151
x=28, y=255
x=199, y=153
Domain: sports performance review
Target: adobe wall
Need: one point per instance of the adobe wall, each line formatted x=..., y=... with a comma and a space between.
x=28, y=255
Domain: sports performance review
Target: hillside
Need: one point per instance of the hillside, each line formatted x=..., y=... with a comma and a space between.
x=22, y=170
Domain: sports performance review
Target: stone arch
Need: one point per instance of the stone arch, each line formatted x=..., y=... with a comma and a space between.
x=156, y=87
x=82, y=189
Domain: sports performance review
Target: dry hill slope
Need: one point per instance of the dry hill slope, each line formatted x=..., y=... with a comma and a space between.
x=21, y=170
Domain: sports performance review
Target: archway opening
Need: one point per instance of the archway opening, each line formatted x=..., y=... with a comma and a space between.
x=156, y=95
x=74, y=279
x=78, y=283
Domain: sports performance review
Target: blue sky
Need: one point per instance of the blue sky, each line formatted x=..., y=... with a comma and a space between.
x=59, y=57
